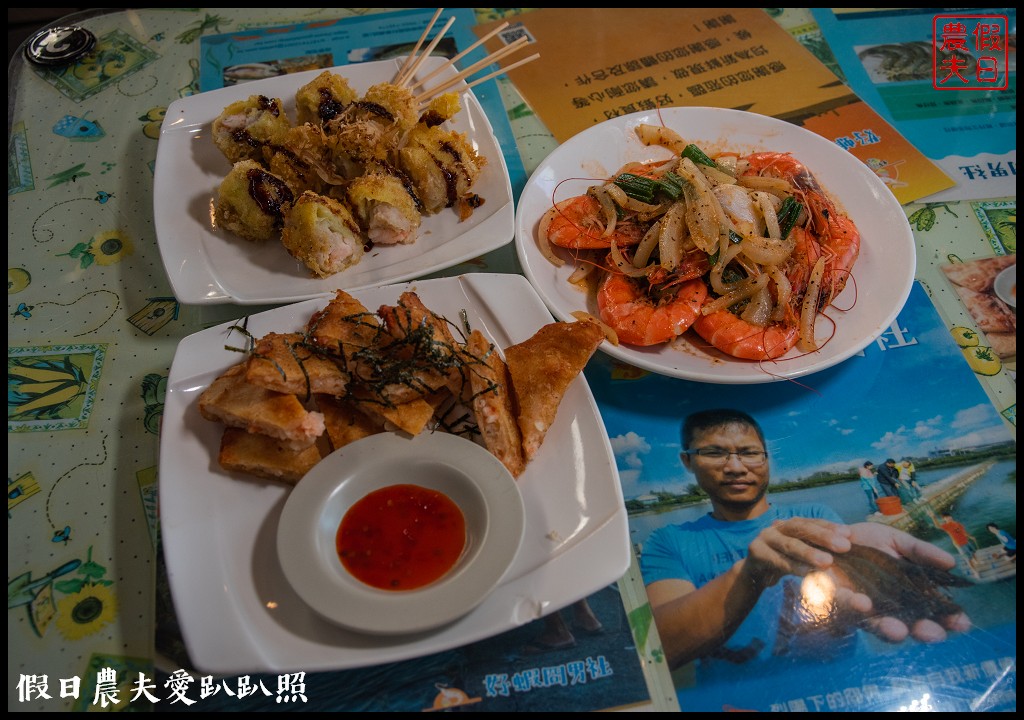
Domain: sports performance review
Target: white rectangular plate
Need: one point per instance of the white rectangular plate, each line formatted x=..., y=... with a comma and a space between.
x=206, y=264
x=236, y=610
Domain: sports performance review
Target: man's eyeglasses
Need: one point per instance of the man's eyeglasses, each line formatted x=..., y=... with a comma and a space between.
x=720, y=456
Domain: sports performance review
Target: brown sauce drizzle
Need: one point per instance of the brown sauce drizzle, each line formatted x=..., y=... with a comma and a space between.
x=269, y=105
x=432, y=119
x=270, y=193
x=330, y=107
x=407, y=184
x=375, y=109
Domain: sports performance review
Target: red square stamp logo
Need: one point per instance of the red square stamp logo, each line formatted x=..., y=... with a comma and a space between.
x=970, y=52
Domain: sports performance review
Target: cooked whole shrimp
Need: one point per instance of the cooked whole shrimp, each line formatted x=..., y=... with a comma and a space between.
x=578, y=224
x=639, y=319
x=736, y=337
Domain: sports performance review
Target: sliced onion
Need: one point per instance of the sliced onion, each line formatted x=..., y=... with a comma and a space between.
x=543, y=244
x=783, y=292
x=701, y=219
x=660, y=135
x=622, y=264
x=766, y=203
x=809, y=309
x=659, y=210
x=767, y=251
x=759, y=310
x=581, y=273
x=625, y=201
x=609, y=332
x=670, y=238
x=741, y=291
x=715, y=276
x=740, y=208
x=611, y=215
x=716, y=177
x=647, y=245
x=727, y=164
x=776, y=186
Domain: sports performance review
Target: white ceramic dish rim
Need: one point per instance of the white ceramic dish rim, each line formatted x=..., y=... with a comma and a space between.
x=474, y=479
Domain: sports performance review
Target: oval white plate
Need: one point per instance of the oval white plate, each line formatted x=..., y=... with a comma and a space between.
x=882, y=276
x=474, y=479
x=1005, y=286
x=205, y=264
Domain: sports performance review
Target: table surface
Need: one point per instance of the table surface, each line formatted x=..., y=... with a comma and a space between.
x=85, y=281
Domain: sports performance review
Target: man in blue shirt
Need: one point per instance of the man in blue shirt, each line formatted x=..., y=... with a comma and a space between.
x=734, y=589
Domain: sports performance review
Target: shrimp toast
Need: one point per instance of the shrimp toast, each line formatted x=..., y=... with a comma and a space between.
x=264, y=456
x=492, y=403
x=232, y=400
x=542, y=368
x=411, y=417
x=423, y=344
x=285, y=362
x=343, y=327
x=345, y=422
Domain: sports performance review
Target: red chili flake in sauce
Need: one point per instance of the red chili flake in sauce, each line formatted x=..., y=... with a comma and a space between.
x=401, y=537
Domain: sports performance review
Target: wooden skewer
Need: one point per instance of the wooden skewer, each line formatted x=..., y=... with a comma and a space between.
x=429, y=94
x=461, y=55
x=426, y=31
x=493, y=57
x=426, y=53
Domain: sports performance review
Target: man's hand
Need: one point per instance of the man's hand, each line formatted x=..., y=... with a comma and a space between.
x=800, y=546
x=900, y=544
x=795, y=546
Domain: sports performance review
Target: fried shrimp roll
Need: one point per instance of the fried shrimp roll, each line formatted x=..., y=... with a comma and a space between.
x=391, y=103
x=441, y=109
x=323, y=99
x=443, y=166
x=321, y=233
x=387, y=210
x=251, y=202
x=304, y=160
x=244, y=127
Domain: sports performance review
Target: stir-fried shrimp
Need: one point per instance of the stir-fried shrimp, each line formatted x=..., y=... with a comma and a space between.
x=578, y=224
x=746, y=250
x=639, y=319
x=735, y=336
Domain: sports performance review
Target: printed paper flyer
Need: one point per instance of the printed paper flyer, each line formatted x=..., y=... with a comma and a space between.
x=908, y=395
x=612, y=64
x=890, y=57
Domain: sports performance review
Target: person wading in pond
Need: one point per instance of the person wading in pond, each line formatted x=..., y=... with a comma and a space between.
x=869, y=486
x=889, y=478
x=725, y=589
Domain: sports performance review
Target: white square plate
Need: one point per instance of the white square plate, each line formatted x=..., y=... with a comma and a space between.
x=207, y=264
x=237, y=611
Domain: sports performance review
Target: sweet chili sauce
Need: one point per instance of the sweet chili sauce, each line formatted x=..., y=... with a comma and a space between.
x=401, y=537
